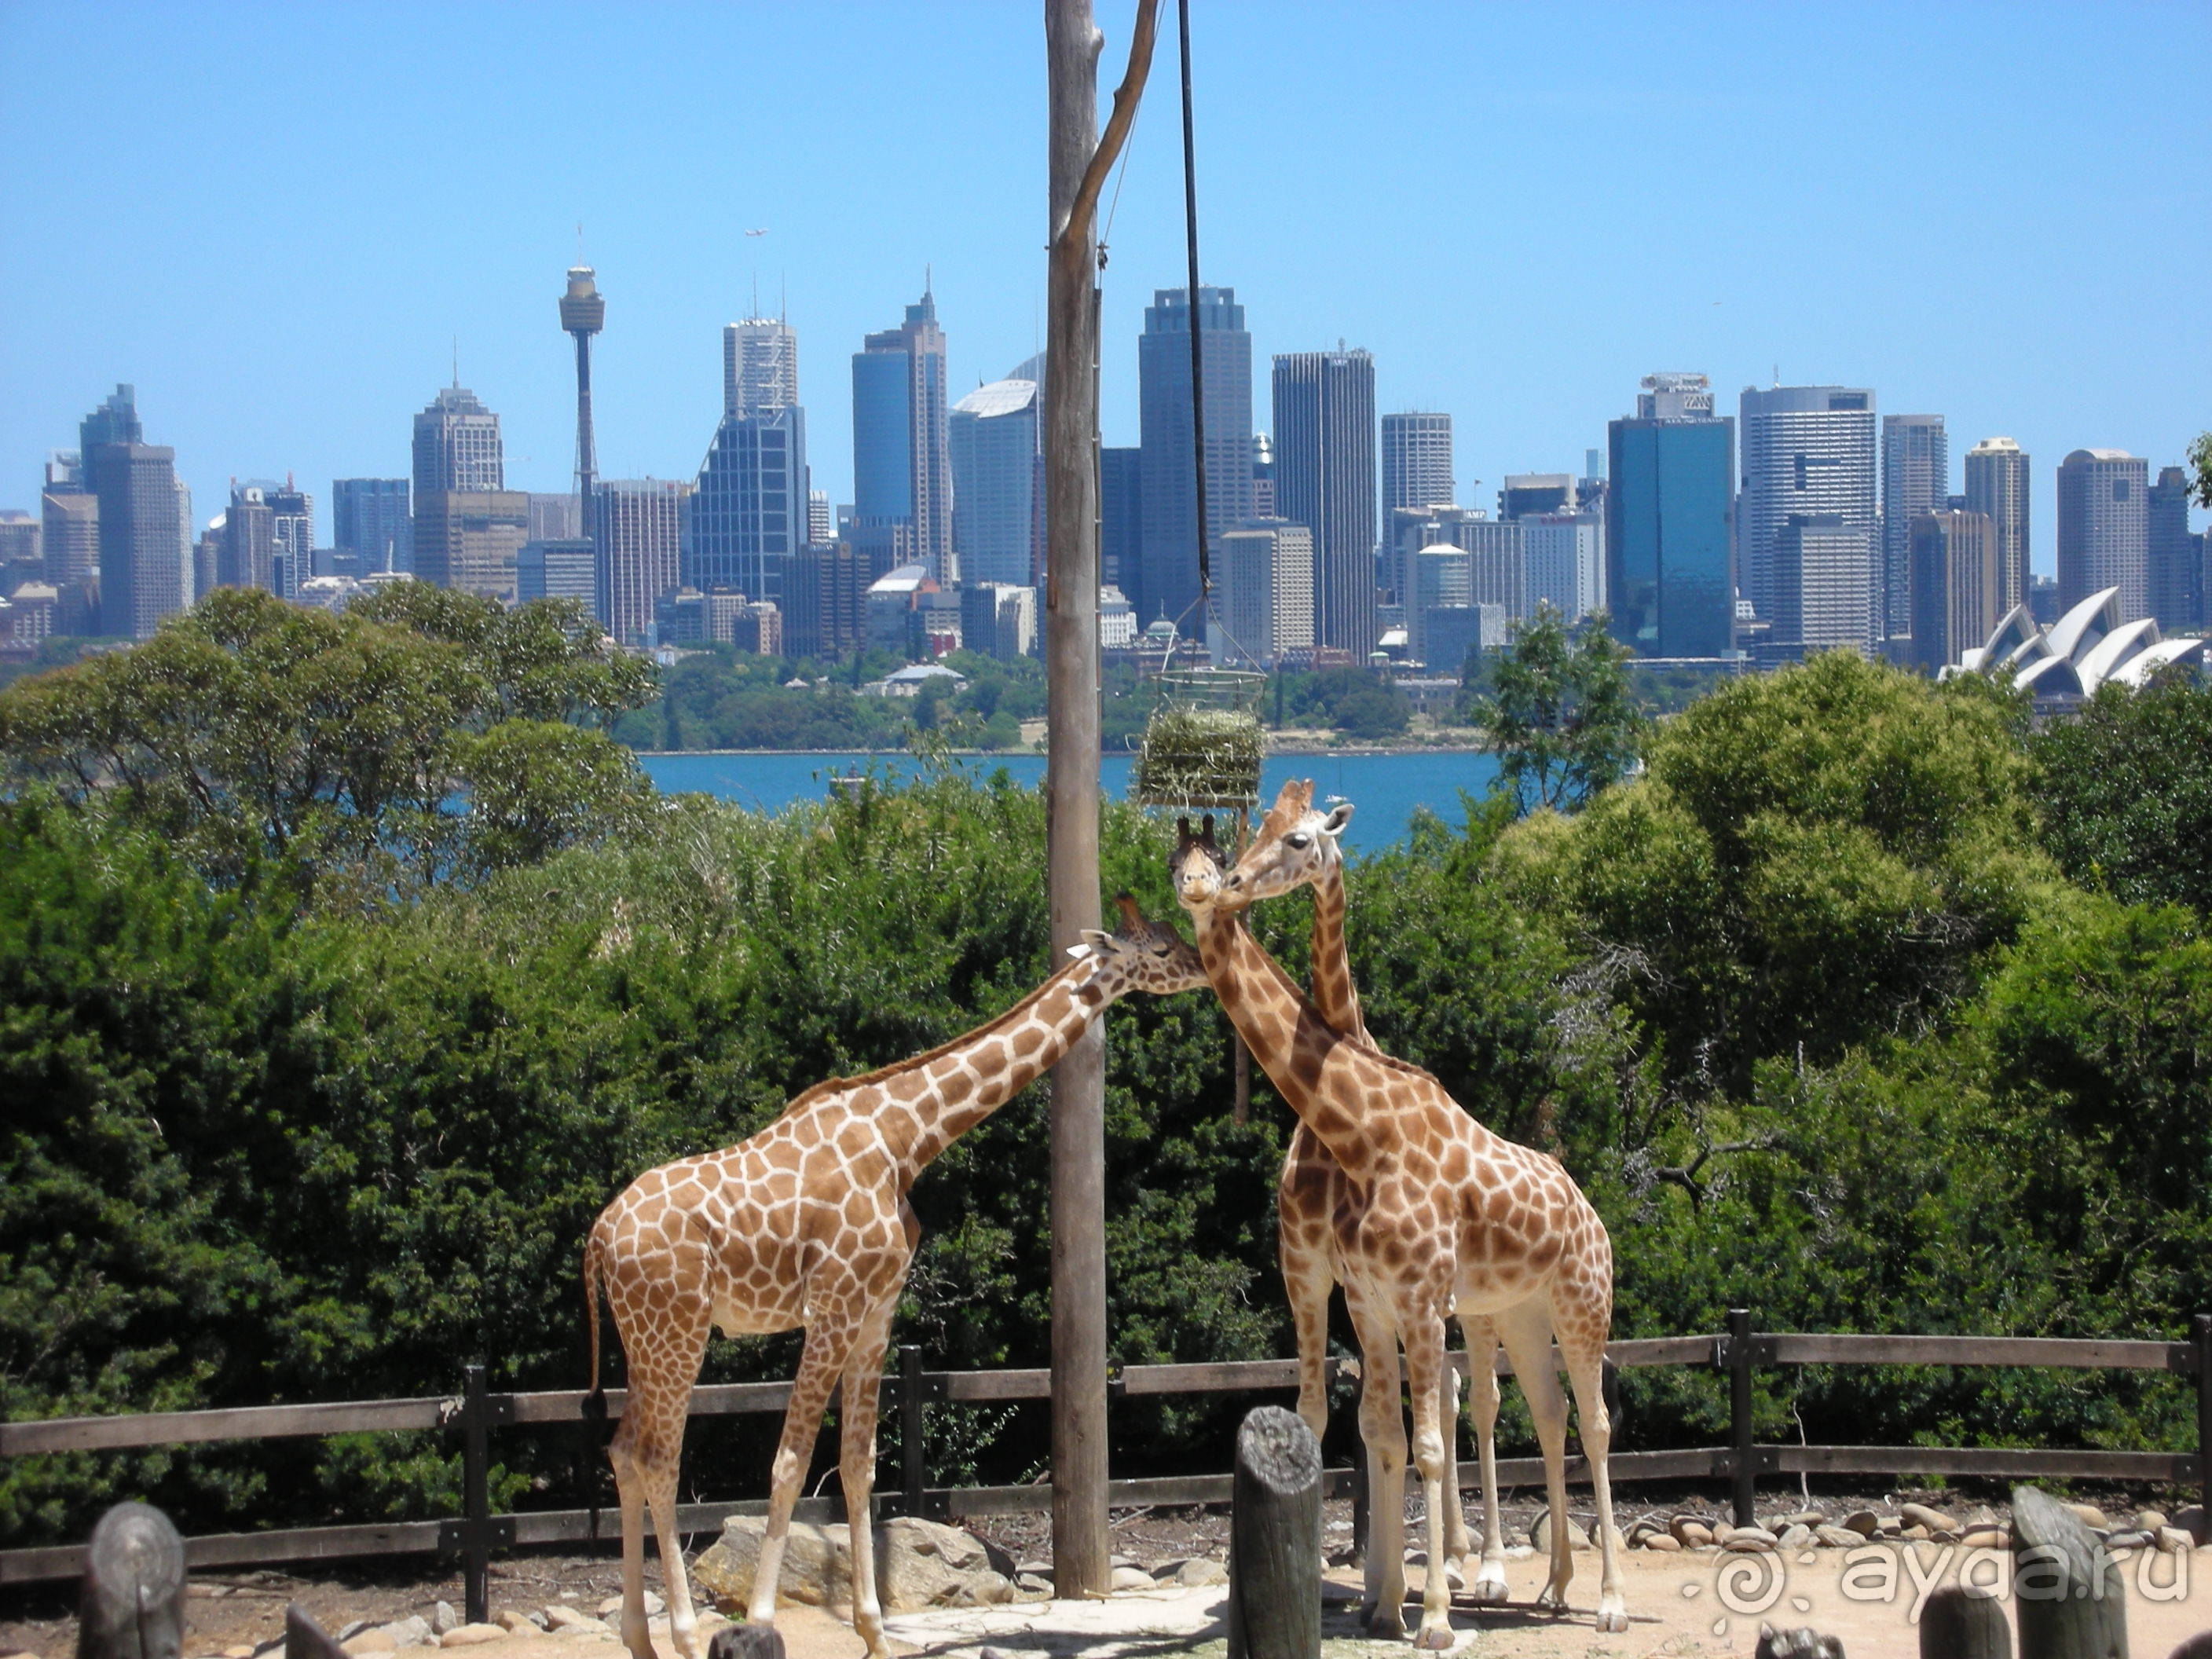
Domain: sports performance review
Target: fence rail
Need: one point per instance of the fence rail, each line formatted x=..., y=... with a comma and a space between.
x=475, y=1412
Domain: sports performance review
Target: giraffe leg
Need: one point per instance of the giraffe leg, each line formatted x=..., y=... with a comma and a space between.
x=1429, y=1382
x=647, y=1452
x=857, y=1469
x=1585, y=1363
x=1307, y=1281
x=1526, y=1330
x=1382, y=1427
x=1489, y=1579
x=1457, y=1547
x=819, y=1362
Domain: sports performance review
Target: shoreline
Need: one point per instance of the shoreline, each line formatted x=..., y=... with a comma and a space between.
x=1317, y=751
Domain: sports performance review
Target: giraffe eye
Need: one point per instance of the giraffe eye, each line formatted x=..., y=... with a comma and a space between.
x=1297, y=844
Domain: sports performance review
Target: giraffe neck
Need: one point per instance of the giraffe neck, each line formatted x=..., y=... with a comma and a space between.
x=1334, y=992
x=971, y=1077
x=1287, y=1036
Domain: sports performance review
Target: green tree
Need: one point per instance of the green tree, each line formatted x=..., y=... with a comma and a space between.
x=2126, y=790
x=1560, y=715
x=2200, y=462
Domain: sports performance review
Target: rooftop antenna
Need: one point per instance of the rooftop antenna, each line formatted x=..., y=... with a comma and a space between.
x=783, y=297
x=755, y=311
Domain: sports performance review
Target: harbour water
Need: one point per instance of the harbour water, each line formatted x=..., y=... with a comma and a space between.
x=1385, y=788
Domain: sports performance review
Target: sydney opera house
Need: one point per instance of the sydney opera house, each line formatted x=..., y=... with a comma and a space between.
x=2088, y=648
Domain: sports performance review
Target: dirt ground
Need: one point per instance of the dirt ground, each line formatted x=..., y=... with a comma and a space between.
x=1685, y=1605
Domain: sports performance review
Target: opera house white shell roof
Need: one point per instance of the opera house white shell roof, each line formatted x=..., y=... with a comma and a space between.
x=2087, y=647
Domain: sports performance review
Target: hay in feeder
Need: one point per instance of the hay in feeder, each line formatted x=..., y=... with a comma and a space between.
x=1199, y=757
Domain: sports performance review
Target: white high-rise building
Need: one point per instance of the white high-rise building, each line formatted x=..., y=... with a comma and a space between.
x=1996, y=483
x=1564, y=557
x=760, y=367
x=1263, y=590
x=1823, y=584
x=992, y=434
x=1417, y=461
x=2103, y=529
x=1806, y=450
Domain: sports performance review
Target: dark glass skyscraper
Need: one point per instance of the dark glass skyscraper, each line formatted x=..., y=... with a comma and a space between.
x=2177, y=574
x=749, y=514
x=141, y=545
x=1120, y=516
x=1667, y=579
x=901, y=464
x=1166, y=576
x=1324, y=442
x=370, y=519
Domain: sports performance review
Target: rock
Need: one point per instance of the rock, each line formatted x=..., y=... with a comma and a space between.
x=2130, y=1539
x=410, y=1632
x=514, y=1620
x=1808, y=1518
x=1745, y=1540
x=2149, y=1520
x=2172, y=1541
x=1200, y=1570
x=1034, y=1585
x=1920, y=1515
x=2192, y=1520
x=1035, y=1568
x=918, y=1564
x=1865, y=1522
x=1987, y=1538
x=444, y=1619
x=1132, y=1578
x=376, y=1639
x=1690, y=1532
x=1114, y=1561
x=1838, y=1538
x=1540, y=1534
x=238, y=1653
x=2089, y=1516
x=1721, y=1531
x=1796, y=1536
x=355, y=1629
x=561, y=1619
x=1664, y=1542
x=1888, y=1526
x=469, y=1636
x=1515, y=1551
x=655, y=1607
x=1916, y=1534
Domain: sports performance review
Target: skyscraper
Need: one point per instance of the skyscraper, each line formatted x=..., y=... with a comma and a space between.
x=69, y=537
x=1165, y=578
x=820, y=527
x=1916, y=478
x=1324, y=440
x=1668, y=580
x=2176, y=573
x=1525, y=494
x=1563, y=554
x=142, y=557
x=246, y=556
x=291, y=533
x=1997, y=484
x=902, y=466
x=1806, y=450
x=2103, y=529
x=637, y=552
x=371, y=519
x=457, y=445
x=1955, y=565
x=583, y=314
x=994, y=443
x=1417, y=461
x=464, y=543
x=760, y=365
x=1263, y=593
x=1823, y=571
x=752, y=509
x=1120, y=514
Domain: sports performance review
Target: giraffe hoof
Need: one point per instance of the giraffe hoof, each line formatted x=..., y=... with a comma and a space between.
x=1612, y=1615
x=1434, y=1638
x=1382, y=1620
x=1489, y=1586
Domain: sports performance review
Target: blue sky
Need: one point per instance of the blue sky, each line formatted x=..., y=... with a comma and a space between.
x=275, y=221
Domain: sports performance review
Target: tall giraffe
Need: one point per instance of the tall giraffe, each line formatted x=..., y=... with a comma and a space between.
x=1441, y=1216
x=1297, y=845
x=806, y=1224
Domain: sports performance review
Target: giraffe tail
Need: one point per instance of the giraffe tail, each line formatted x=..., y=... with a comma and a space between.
x=595, y=1402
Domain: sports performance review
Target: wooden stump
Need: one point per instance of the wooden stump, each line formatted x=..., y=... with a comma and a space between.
x=1275, y=1540
x=2198, y=1646
x=1803, y=1643
x=1958, y=1623
x=746, y=1642
x=133, y=1605
x=306, y=1639
x=2071, y=1602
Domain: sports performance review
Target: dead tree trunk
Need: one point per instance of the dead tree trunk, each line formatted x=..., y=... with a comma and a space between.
x=1079, y=162
x=1275, y=1540
x=2072, y=1603
x=1961, y=1623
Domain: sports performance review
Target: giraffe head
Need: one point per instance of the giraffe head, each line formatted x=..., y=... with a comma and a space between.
x=1296, y=844
x=1139, y=956
x=1197, y=866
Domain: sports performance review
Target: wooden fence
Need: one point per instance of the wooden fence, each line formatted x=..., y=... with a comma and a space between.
x=475, y=1412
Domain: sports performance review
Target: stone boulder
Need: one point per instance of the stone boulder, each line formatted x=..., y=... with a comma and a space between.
x=918, y=1564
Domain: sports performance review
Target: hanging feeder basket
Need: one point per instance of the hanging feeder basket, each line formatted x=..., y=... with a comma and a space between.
x=1203, y=744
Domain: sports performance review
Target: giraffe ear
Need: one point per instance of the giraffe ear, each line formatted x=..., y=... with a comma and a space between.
x=1095, y=943
x=1332, y=825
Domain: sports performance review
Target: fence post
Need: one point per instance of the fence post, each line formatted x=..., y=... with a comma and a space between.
x=2204, y=1411
x=476, y=1496
x=913, y=1455
x=1741, y=1461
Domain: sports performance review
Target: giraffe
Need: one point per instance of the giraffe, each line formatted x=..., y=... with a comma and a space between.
x=806, y=1224
x=1440, y=1217
x=1299, y=845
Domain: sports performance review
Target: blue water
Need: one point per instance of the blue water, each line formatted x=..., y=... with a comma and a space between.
x=1384, y=788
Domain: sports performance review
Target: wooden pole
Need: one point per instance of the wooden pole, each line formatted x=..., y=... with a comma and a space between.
x=1741, y=1468
x=1080, y=163
x=133, y=1602
x=2072, y=1602
x=1275, y=1540
x=476, y=1496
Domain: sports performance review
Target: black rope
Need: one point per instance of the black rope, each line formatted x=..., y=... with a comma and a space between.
x=1197, y=375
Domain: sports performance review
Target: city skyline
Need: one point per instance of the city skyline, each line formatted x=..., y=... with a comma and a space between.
x=2077, y=328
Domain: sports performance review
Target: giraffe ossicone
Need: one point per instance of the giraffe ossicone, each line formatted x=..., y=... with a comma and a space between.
x=806, y=1224
x=1439, y=1216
